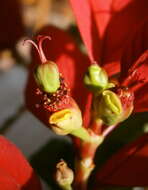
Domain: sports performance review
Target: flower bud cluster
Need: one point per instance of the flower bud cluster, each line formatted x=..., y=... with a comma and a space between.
x=108, y=104
x=65, y=116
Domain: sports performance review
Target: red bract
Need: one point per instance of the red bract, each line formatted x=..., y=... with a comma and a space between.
x=134, y=65
x=15, y=172
x=128, y=167
x=106, y=26
x=112, y=31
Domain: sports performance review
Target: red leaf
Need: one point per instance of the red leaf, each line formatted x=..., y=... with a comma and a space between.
x=15, y=169
x=141, y=100
x=106, y=26
x=87, y=26
x=126, y=17
x=128, y=167
x=134, y=48
x=7, y=182
x=72, y=64
x=11, y=23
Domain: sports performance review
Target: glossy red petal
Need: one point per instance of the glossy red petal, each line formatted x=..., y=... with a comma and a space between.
x=126, y=17
x=11, y=23
x=7, y=182
x=13, y=164
x=87, y=26
x=93, y=18
x=128, y=167
x=72, y=64
x=105, y=26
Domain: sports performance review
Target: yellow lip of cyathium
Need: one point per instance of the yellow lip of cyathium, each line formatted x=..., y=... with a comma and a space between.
x=60, y=116
x=65, y=121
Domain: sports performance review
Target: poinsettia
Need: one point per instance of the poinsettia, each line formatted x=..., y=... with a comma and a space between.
x=15, y=171
x=110, y=30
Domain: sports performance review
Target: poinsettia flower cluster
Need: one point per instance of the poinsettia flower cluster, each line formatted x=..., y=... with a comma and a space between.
x=132, y=79
x=115, y=35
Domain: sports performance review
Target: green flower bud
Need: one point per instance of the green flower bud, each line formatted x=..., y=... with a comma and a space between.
x=96, y=78
x=109, y=108
x=64, y=175
x=47, y=77
x=66, y=121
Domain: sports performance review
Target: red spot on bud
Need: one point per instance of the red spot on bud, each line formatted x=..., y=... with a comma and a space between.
x=126, y=97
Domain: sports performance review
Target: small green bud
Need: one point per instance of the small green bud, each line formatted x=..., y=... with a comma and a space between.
x=47, y=77
x=96, y=78
x=64, y=175
x=109, y=108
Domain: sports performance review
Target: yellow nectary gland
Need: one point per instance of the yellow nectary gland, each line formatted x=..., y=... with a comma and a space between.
x=60, y=116
x=65, y=121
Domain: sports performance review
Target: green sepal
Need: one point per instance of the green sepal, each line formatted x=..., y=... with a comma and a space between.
x=81, y=133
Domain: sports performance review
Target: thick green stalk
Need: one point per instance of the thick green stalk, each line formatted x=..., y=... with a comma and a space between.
x=67, y=187
x=84, y=161
x=81, y=133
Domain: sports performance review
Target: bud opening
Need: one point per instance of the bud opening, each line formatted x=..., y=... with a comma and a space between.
x=96, y=78
x=108, y=107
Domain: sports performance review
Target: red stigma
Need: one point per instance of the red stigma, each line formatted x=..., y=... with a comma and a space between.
x=39, y=46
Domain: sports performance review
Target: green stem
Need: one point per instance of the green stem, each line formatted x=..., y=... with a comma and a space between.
x=84, y=161
x=81, y=133
x=66, y=187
